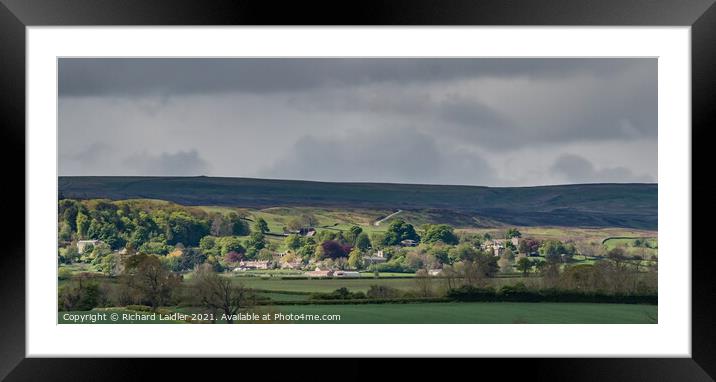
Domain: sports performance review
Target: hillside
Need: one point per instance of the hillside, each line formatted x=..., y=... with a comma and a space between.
x=590, y=205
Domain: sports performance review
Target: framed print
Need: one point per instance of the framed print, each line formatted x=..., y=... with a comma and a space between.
x=477, y=181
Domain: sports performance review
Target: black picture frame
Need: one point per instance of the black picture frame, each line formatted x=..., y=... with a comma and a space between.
x=16, y=15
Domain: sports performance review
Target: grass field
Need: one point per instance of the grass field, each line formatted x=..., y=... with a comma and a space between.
x=323, y=285
x=358, y=285
x=483, y=313
x=449, y=313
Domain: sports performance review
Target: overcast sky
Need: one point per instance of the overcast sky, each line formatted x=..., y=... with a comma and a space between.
x=474, y=121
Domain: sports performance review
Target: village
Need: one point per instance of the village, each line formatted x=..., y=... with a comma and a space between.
x=287, y=260
x=291, y=258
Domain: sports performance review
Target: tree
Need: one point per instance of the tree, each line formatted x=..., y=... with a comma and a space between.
x=109, y=265
x=65, y=232
x=355, y=259
x=83, y=224
x=440, y=233
x=512, y=232
x=228, y=244
x=353, y=233
x=155, y=283
x=524, y=265
x=233, y=257
x=293, y=242
x=362, y=242
x=486, y=264
x=529, y=246
x=590, y=248
x=208, y=246
x=256, y=241
x=290, y=258
x=424, y=283
x=219, y=227
x=182, y=227
x=504, y=264
x=462, y=252
x=617, y=255
x=80, y=295
x=305, y=220
x=265, y=254
x=221, y=294
x=398, y=231
x=71, y=253
x=553, y=250
x=332, y=249
x=260, y=225
x=382, y=291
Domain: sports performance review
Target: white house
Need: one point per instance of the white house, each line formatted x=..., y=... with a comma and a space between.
x=346, y=274
x=377, y=258
x=320, y=273
x=258, y=264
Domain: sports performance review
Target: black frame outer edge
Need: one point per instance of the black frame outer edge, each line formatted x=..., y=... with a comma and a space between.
x=16, y=14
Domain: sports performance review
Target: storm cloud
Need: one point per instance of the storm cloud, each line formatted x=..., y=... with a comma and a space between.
x=579, y=170
x=167, y=164
x=482, y=121
x=386, y=156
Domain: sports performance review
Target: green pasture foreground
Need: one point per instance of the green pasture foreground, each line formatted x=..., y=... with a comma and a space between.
x=358, y=284
x=448, y=313
x=323, y=285
x=482, y=313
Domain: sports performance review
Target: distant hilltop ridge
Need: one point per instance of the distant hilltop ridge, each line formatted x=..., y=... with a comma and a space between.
x=631, y=205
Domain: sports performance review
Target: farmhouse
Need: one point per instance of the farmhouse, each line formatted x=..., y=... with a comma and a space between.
x=320, y=273
x=496, y=246
x=291, y=264
x=377, y=258
x=254, y=264
x=82, y=244
x=308, y=231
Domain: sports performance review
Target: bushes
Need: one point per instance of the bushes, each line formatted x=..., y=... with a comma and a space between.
x=338, y=294
x=393, y=266
x=519, y=293
x=382, y=291
x=361, y=301
x=81, y=296
x=472, y=293
x=64, y=274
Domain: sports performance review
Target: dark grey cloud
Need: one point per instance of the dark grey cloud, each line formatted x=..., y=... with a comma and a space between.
x=93, y=153
x=399, y=155
x=176, y=76
x=498, y=121
x=577, y=169
x=170, y=164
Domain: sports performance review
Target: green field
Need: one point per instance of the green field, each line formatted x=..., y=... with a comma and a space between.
x=629, y=242
x=323, y=285
x=358, y=285
x=445, y=313
x=483, y=313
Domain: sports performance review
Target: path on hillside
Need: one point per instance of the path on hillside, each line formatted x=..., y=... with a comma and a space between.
x=377, y=223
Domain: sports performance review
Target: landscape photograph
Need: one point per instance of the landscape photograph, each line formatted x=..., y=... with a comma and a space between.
x=357, y=190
